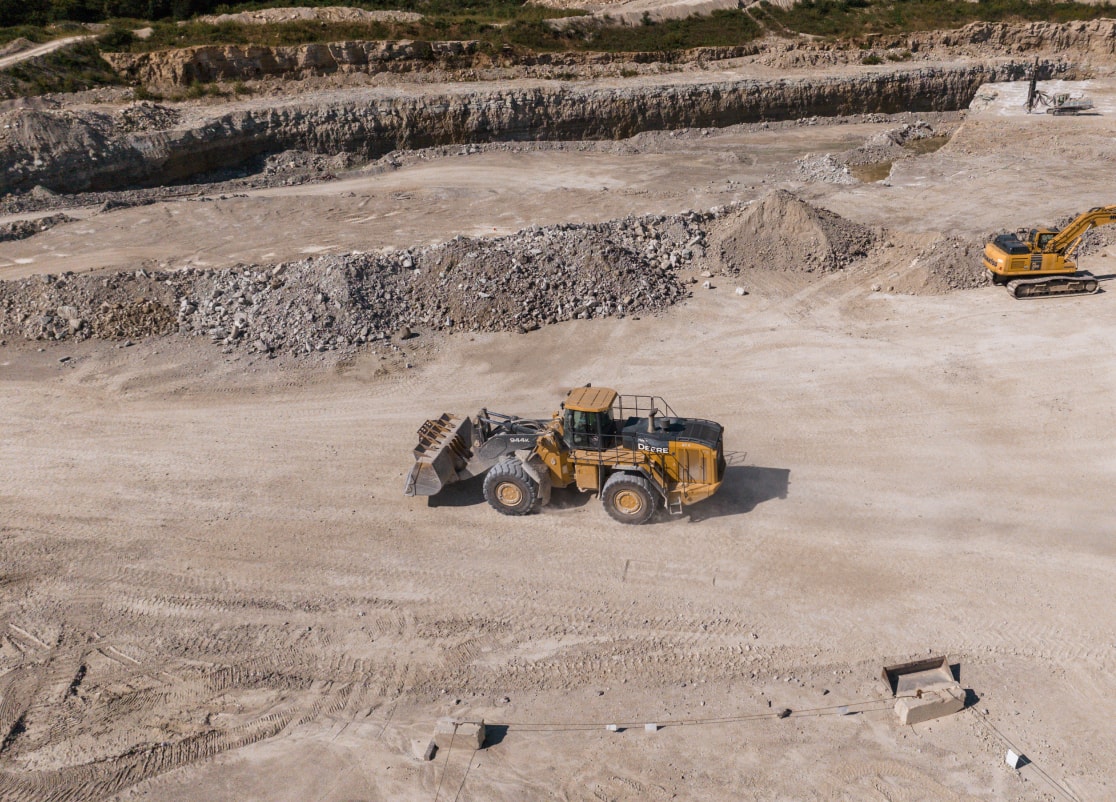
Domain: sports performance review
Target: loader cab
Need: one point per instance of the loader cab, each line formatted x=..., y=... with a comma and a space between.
x=587, y=418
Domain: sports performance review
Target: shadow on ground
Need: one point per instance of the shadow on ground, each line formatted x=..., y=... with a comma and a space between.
x=745, y=488
x=459, y=494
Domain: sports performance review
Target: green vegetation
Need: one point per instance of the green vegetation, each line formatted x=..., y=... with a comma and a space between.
x=501, y=23
x=497, y=24
x=70, y=69
x=28, y=32
x=528, y=31
x=848, y=19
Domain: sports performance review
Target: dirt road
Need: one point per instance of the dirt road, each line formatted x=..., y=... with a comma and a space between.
x=40, y=50
x=214, y=588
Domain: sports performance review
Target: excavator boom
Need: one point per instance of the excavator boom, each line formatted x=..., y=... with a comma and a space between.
x=1067, y=239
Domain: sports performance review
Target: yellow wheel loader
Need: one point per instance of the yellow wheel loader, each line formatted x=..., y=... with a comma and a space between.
x=1039, y=263
x=631, y=449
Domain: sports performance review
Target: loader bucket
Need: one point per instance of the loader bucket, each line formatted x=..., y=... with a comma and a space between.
x=442, y=452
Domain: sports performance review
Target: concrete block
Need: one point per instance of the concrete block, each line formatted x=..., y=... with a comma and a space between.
x=932, y=704
x=462, y=734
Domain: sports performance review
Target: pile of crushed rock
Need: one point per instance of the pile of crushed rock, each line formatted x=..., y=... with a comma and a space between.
x=535, y=277
x=784, y=233
x=22, y=229
x=950, y=263
x=882, y=148
x=339, y=303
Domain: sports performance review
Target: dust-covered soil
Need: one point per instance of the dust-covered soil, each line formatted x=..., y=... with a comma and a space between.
x=213, y=586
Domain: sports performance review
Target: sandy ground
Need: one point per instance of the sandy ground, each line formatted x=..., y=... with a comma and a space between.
x=213, y=587
x=485, y=193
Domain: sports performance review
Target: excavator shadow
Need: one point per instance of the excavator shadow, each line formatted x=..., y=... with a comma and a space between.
x=745, y=487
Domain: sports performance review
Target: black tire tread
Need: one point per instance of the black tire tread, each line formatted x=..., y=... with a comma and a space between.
x=618, y=480
x=511, y=469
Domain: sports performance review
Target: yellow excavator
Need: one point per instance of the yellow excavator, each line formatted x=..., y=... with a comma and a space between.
x=631, y=449
x=1039, y=263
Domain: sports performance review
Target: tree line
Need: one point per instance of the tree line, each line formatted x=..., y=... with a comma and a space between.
x=43, y=12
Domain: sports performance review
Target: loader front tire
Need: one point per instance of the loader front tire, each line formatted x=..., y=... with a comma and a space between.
x=629, y=499
x=509, y=490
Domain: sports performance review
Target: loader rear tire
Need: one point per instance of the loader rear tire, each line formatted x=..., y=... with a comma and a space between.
x=629, y=499
x=509, y=490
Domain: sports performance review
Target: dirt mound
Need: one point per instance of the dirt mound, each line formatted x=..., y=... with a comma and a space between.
x=784, y=233
x=79, y=307
x=22, y=229
x=947, y=264
x=17, y=45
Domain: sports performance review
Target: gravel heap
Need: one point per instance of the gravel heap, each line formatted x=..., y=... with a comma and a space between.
x=22, y=229
x=327, y=303
x=147, y=116
x=784, y=233
x=823, y=168
x=79, y=307
x=952, y=263
x=888, y=145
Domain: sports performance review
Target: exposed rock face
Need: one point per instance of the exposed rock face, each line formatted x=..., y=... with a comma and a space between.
x=97, y=150
x=468, y=60
x=268, y=16
x=209, y=63
x=1084, y=43
x=1094, y=37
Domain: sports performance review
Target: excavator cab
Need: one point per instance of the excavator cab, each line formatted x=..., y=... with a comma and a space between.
x=1040, y=237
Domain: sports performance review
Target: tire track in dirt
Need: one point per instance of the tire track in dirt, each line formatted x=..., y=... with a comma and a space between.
x=322, y=696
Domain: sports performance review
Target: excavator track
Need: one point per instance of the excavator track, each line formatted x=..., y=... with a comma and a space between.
x=1052, y=286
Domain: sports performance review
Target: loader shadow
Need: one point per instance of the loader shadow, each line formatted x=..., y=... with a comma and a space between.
x=745, y=487
x=568, y=498
x=466, y=493
x=470, y=492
